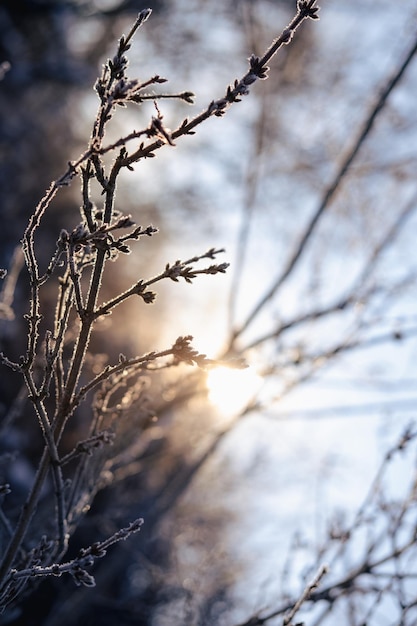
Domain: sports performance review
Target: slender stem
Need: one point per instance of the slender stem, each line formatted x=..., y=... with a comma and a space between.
x=64, y=410
x=26, y=514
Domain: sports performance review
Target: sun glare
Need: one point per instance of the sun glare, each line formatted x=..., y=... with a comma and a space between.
x=230, y=390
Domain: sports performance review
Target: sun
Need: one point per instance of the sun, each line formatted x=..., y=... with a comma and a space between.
x=230, y=390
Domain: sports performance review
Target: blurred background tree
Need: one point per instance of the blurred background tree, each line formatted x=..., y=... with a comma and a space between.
x=323, y=310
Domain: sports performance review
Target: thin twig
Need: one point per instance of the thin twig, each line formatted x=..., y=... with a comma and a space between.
x=346, y=162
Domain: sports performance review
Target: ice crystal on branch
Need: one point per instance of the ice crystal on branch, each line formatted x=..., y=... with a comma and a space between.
x=306, y=8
